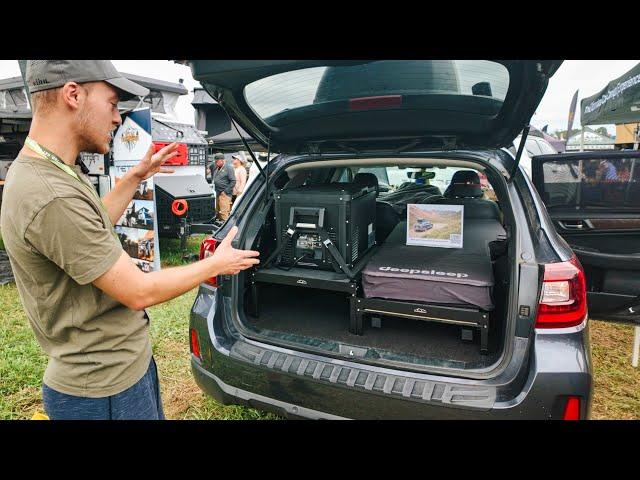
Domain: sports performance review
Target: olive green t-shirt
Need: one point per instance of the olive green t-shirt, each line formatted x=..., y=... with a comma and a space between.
x=59, y=240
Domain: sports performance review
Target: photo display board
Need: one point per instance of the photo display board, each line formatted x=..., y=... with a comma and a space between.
x=137, y=228
x=433, y=225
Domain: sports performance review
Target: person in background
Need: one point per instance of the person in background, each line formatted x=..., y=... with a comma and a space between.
x=609, y=172
x=241, y=176
x=224, y=179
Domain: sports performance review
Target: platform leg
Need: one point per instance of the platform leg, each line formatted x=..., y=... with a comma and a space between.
x=484, y=335
x=356, y=318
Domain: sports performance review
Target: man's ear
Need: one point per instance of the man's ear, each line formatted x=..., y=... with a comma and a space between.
x=73, y=94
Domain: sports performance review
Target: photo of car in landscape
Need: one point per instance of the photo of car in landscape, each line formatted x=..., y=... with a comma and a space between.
x=435, y=225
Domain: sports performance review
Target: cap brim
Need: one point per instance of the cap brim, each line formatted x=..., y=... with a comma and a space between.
x=127, y=88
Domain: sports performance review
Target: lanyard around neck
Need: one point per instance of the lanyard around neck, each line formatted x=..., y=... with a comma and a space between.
x=56, y=160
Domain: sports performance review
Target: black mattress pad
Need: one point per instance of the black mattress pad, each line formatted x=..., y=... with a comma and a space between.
x=448, y=276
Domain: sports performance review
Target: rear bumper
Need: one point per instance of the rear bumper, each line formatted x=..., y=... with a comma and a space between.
x=228, y=394
x=296, y=384
x=285, y=397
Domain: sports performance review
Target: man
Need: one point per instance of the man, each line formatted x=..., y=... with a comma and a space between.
x=608, y=170
x=83, y=295
x=241, y=176
x=224, y=179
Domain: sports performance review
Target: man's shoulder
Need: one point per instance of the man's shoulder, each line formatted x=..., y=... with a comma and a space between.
x=27, y=184
x=31, y=187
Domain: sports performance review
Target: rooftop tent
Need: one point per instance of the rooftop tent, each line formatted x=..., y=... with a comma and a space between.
x=211, y=118
x=165, y=131
x=618, y=102
x=162, y=97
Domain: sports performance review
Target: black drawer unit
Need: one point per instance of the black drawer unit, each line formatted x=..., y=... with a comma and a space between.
x=464, y=317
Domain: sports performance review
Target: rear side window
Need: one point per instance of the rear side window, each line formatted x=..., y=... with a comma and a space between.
x=595, y=183
x=318, y=90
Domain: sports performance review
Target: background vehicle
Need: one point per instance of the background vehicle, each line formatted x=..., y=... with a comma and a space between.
x=533, y=146
x=422, y=225
x=296, y=357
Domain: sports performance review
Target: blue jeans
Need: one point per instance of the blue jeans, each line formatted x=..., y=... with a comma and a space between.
x=139, y=402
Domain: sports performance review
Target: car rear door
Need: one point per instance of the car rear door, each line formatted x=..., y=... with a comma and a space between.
x=594, y=201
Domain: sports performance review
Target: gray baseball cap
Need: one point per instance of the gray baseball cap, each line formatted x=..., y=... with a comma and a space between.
x=218, y=156
x=48, y=74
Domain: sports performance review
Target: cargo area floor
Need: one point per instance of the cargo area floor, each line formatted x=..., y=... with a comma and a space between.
x=325, y=315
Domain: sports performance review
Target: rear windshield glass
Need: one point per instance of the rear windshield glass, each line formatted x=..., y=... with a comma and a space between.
x=595, y=183
x=316, y=87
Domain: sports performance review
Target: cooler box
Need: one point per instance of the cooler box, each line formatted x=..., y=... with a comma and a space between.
x=346, y=212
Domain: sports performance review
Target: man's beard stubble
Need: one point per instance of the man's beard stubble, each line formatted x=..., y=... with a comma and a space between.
x=87, y=142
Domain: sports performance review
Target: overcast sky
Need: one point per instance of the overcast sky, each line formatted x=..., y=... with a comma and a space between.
x=589, y=76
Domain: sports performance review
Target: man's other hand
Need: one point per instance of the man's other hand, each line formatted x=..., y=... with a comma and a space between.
x=152, y=162
x=232, y=260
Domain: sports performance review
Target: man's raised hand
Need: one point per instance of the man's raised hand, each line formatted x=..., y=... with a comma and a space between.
x=232, y=260
x=152, y=162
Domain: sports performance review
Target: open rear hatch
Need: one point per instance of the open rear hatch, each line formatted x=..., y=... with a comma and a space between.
x=321, y=106
x=367, y=108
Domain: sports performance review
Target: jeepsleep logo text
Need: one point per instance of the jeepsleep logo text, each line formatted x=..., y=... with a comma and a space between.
x=414, y=271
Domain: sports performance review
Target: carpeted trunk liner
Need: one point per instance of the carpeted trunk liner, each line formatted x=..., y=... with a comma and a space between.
x=323, y=314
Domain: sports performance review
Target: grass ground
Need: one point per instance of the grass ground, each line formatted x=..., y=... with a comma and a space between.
x=22, y=364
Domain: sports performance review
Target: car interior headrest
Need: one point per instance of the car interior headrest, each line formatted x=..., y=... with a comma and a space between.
x=367, y=179
x=465, y=184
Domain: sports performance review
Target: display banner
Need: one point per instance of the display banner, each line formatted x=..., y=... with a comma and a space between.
x=618, y=102
x=138, y=226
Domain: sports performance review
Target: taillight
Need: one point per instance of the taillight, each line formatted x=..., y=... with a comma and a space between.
x=195, y=343
x=572, y=409
x=207, y=247
x=563, y=302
